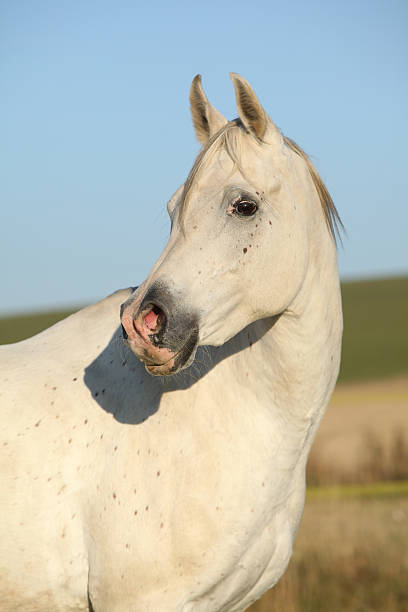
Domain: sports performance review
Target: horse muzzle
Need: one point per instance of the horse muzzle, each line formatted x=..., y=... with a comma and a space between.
x=159, y=331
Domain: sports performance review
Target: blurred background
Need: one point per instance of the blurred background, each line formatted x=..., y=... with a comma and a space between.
x=97, y=135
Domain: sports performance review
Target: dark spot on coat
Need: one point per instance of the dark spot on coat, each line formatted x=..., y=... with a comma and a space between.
x=69, y=441
x=244, y=250
x=85, y=422
x=37, y=423
x=74, y=379
x=114, y=495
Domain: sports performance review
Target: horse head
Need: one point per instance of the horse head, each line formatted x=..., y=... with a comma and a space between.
x=242, y=228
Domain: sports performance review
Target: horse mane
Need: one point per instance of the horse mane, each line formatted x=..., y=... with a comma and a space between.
x=333, y=220
x=225, y=138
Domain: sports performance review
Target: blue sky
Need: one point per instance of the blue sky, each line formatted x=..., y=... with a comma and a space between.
x=96, y=132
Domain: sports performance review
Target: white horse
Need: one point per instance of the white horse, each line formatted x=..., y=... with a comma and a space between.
x=125, y=492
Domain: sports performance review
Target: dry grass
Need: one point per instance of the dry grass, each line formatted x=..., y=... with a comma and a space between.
x=350, y=555
x=378, y=460
x=363, y=437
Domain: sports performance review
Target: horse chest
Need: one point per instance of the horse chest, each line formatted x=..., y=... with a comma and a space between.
x=202, y=558
x=212, y=510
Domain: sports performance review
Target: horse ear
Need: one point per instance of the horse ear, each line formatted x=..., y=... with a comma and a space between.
x=250, y=110
x=206, y=118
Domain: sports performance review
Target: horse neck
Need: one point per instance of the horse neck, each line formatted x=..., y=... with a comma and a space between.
x=296, y=359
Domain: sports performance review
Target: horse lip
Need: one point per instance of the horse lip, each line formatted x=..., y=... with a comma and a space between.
x=152, y=364
x=155, y=368
x=148, y=361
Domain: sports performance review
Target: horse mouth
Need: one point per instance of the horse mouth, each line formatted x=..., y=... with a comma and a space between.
x=181, y=360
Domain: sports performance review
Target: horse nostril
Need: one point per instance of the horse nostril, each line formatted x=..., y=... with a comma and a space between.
x=154, y=319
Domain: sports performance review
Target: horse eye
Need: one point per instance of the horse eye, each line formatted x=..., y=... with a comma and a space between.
x=245, y=208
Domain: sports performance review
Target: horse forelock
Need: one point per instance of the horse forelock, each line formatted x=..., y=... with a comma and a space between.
x=229, y=138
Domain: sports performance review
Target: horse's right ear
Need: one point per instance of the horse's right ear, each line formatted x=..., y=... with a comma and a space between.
x=206, y=118
x=252, y=114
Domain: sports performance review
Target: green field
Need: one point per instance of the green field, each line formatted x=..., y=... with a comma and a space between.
x=14, y=329
x=375, y=342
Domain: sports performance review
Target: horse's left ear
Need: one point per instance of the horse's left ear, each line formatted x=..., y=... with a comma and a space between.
x=206, y=118
x=250, y=110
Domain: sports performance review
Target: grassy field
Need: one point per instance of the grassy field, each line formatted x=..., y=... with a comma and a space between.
x=20, y=327
x=350, y=555
x=363, y=437
x=375, y=342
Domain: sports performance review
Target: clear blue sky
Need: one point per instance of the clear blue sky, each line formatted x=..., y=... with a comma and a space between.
x=96, y=132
